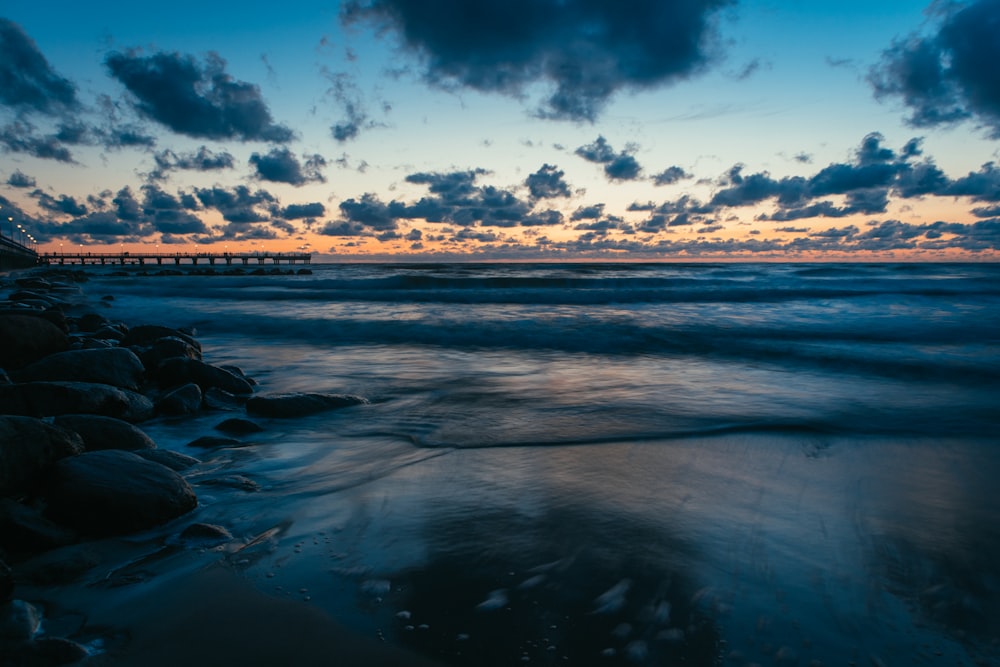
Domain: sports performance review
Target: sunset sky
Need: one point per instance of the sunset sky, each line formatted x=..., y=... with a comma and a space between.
x=522, y=129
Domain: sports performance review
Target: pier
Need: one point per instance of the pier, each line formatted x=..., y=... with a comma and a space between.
x=176, y=258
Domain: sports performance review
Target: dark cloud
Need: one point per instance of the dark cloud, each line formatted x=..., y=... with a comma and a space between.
x=63, y=204
x=300, y=211
x=195, y=99
x=588, y=212
x=203, y=159
x=585, y=51
x=547, y=182
x=20, y=137
x=618, y=166
x=951, y=74
x=370, y=213
x=239, y=204
x=670, y=175
x=20, y=180
x=280, y=166
x=27, y=81
x=347, y=95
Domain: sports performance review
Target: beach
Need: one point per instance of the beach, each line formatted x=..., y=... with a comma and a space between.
x=635, y=464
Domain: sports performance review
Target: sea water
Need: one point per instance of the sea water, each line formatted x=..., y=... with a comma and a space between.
x=615, y=463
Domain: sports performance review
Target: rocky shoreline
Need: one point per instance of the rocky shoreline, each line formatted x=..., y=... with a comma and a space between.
x=75, y=464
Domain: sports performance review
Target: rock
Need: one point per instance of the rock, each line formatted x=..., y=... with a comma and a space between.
x=60, y=566
x=185, y=400
x=47, y=399
x=19, y=621
x=91, y=322
x=165, y=348
x=28, y=448
x=299, y=405
x=205, y=533
x=239, y=482
x=147, y=334
x=6, y=583
x=23, y=529
x=210, y=441
x=33, y=283
x=217, y=399
x=112, y=492
x=47, y=652
x=26, y=338
x=165, y=457
x=110, y=333
x=100, y=432
x=114, y=366
x=4, y=378
x=177, y=371
x=237, y=426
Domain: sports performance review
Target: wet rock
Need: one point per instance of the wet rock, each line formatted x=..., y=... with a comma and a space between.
x=239, y=482
x=113, y=492
x=110, y=333
x=238, y=426
x=165, y=457
x=19, y=621
x=90, y=322
x=205, y=533
x=47, y=652
x=26, y=338
x=211, y=441
x=166, y=348
x=147, y=334
x=177, y=371
x=48, y=399
x=60, y=566
x=28, y=448
x=24, y=530
x=113, y=366
x=299, y=405
x=33, y=283
x=6, y=583
x=217, y=399
x=100, y=432
x=185, y=400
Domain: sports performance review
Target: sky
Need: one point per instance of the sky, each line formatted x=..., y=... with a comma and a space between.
x=513, y=130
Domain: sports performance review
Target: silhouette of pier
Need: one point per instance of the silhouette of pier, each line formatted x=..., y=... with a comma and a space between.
x=176, y=258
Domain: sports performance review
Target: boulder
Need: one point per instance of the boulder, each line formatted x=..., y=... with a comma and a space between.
x=205, y=533
x=23, y=529
x=115, y=366
x=7, y=581
x=113, y=492
x=299, y=404
x=165, y=348
x=100, y=432
x=185, y=400
x=171, y=459
x=26, y=338
x=216, y=399
x=28, y=448
x=90, y=322
x=238, y=426
x=146, y=334
x=210, y=441
x=19, y=621
x=47, y=399
x=178, y=371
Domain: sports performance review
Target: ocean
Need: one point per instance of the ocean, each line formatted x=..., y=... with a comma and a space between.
x=637, y=464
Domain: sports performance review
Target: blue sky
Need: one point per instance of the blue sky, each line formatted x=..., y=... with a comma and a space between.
x=537, y=129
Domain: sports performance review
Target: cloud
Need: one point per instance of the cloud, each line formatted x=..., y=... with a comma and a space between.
x=280, y=166
x=547, y=183
x=203, y=159
x=20, y=137
x=301, y=211
x=670, y=175
x=195, y=99
x=27, y=81
x=583, y=52
x=347, y=95
x=63, y=204
x=618, y=166
x=238, y=204
x=20, y=180
x=951, y=74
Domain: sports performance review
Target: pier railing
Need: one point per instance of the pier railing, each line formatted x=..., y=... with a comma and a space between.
x=176, y=258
